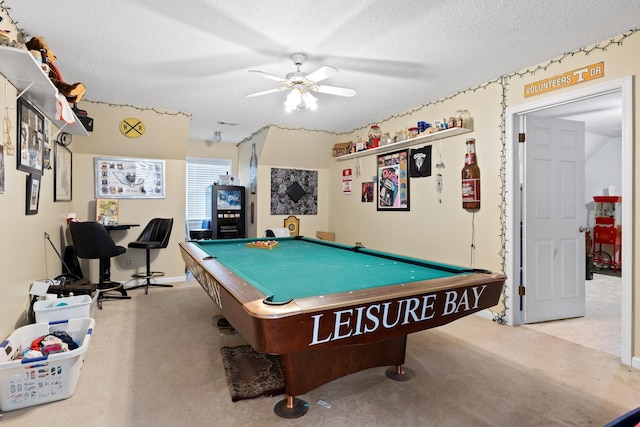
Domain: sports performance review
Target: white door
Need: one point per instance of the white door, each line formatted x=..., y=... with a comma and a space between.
x=553, y=213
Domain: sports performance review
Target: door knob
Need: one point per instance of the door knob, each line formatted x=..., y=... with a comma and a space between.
x=583, y=229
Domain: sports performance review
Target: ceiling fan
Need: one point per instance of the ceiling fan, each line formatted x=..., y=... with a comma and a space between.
x=301, y=84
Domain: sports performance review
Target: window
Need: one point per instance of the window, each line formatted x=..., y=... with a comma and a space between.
x=201, y=174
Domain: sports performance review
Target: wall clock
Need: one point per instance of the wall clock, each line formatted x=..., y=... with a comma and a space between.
x=293, y=225
x=64, y=139
x=131, y=127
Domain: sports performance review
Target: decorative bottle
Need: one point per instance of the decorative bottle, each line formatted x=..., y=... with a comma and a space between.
x=253, y=166
x=471, y=178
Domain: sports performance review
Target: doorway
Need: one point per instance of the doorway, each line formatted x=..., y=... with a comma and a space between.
x=553, y=107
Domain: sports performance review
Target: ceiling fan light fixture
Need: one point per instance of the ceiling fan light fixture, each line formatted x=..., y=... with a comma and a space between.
x=301, y=84
x=217, y=136
x=310, y=101
x=294, y=99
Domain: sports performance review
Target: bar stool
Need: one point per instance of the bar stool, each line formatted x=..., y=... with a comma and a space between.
x=154, y=236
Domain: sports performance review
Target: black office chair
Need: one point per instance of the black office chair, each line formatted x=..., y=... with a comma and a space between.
x=92, y=241
x=154, y=236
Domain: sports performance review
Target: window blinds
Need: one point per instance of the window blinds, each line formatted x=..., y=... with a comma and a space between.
x=201, y=174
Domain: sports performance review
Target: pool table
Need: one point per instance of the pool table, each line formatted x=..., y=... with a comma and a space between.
x=330, y=309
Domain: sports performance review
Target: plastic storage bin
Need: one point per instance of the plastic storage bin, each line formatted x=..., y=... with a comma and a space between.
x=29, y=382
x=62, y=308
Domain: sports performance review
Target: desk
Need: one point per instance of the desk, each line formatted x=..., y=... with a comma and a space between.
x=117, y=227
x=329, y=309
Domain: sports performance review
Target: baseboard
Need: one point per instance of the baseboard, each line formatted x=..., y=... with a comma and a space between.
x=635, y=362
x=486, y=313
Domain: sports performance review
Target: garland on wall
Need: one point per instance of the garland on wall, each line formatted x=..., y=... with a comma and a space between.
x=155, y=110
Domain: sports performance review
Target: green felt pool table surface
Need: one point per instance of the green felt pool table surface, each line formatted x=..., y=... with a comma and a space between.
x=303, y=267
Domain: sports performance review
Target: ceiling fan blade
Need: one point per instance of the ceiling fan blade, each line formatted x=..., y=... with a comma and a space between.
x=321, y=74
x=269, y=76
x=333, y=90
x=265, y=92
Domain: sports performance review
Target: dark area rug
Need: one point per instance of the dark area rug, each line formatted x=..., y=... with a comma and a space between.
x=251, y=374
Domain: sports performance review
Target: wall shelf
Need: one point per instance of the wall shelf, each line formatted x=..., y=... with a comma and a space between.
x=23, y=72
x=383, y=149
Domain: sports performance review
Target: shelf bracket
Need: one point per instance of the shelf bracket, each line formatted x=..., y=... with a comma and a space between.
x=25, y=90
x=55, y=136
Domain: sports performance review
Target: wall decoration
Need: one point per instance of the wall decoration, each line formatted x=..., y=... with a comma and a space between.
x=62, y=168
x=64, y=138
x=30, y=138
x=367, y=192
x=107, y=211
x=294, y=192
x=1, y=169
x=420, y=162
x=393, y=181
x=129, y=178
x=33, y=193
x=293, y=225
x=47, y=153
x=132, y=128
x=347, y=180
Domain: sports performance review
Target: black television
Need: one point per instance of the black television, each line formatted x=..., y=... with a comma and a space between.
x=228, y=198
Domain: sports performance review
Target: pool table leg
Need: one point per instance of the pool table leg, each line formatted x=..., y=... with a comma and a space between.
x=307, y=370
x=291, y=407
x=399, y=373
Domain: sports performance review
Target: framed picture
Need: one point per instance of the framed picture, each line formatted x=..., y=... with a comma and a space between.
x=393, y=181
x=107, y=211
x=33, y=193
x=30, y=138
x=367, y=192
x=129, y=178
x=62, y=174
x=47, y=154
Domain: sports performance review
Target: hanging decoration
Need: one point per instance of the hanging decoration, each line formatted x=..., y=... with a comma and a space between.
x=6, y=133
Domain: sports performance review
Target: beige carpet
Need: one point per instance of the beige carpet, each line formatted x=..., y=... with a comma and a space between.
x=155, y=361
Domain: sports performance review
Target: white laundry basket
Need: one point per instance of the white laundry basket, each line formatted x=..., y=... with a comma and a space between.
x=29, y=382
x=62, y=308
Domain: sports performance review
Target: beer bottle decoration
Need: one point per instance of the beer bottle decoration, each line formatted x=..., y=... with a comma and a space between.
x=253, y=169
x=470, y=178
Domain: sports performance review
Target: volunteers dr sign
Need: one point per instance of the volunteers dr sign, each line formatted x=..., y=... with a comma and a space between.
x=569, y=78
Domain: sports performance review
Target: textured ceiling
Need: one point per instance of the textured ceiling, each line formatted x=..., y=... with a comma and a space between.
x=193, y=56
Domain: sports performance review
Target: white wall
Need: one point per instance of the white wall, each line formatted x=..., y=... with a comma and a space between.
x=432, y=230
x=603, y=170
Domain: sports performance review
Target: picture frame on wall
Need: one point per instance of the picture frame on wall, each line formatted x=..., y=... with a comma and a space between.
x=393, y=181
x=33, y=193
x=107, y=211
x=30, y=138
x=62, y=174
x=129, y=178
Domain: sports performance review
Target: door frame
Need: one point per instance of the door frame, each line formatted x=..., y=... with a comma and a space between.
x=513, y=203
